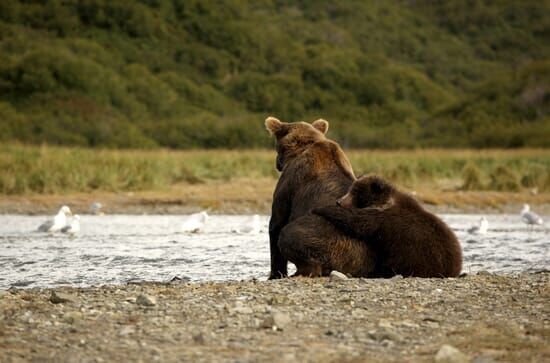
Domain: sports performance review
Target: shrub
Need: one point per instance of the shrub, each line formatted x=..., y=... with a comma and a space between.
x=504, y=179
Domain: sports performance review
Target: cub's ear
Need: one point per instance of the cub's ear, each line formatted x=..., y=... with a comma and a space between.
x=378, y=185
x=321, y=125
x=273, y=125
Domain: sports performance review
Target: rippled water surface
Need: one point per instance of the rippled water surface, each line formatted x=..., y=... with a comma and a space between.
x=121, y=248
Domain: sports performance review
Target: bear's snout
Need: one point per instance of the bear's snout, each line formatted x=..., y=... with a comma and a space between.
x=345, y=201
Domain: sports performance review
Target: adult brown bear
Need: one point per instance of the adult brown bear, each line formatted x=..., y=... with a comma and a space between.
x=314, y=173
x=408, y=240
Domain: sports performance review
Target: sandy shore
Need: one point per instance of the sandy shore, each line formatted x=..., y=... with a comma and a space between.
x=486, y=317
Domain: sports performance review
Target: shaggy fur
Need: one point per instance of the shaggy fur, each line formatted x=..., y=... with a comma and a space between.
x=314, y=172
x=408, y=240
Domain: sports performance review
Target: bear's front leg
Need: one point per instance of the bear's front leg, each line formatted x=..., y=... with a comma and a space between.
x=279, y=264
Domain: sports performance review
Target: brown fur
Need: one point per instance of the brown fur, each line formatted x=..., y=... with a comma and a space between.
x=408, y=240
x=315, y=171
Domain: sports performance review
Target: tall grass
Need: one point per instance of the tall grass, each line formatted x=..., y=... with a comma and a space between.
x=46, y=169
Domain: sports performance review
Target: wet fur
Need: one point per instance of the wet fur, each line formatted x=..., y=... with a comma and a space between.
x=408, y=240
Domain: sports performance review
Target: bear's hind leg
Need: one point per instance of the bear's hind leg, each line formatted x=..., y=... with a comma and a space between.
x=309, y=270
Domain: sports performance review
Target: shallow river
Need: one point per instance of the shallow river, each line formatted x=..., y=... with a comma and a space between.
x=121, y=248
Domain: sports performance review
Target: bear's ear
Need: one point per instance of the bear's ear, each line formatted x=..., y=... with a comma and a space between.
x=378, y=186
x=321, y=125
x=274, y=126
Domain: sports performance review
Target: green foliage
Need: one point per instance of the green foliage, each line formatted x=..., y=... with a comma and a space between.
x=193, y=73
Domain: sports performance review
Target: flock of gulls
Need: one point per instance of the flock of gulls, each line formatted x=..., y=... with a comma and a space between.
x=65, y=222
x=527, y=216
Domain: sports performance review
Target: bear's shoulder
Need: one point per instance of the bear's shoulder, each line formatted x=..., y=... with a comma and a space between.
x=328, y=155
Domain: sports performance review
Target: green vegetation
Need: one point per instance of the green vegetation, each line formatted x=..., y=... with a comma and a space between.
x=47, y=170
x=205, y=74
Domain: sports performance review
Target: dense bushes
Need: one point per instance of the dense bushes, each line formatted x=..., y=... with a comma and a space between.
x=189, y=74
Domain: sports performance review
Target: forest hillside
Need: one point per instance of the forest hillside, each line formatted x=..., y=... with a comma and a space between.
x=205, y=74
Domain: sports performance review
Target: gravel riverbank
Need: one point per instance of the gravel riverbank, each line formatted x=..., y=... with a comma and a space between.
x=485, y=317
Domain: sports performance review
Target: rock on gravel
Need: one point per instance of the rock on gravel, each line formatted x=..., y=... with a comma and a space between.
x=72, y=317
x=60, y=297
x=146, y=300
x=276, y=321
x=449, y=354
x=337, y=275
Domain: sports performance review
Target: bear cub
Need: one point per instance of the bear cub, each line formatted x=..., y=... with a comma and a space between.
x=409, y=240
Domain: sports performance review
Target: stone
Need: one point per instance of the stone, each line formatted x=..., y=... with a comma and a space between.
x=449, y=354
x=336, y=275
x=72, y=317
x=484, y=273
x=146, y=300
x=127, y=330
x=241, y=310
x=385, y=334
x=198, y=338
x=483, y=359
x=276, y=321
x=60, y=297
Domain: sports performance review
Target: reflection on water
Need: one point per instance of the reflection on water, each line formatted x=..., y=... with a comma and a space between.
x=120, y=248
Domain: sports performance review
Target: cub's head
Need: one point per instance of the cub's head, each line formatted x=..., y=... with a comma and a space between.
x=294, y=137
x=368, y=191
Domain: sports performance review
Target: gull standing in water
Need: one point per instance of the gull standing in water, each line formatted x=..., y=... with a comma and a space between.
x=73, y=227
x=194, y=222
x=528, y=217
x=95, y=208
x=56, y=223
x=253, y=226
x=480, y=228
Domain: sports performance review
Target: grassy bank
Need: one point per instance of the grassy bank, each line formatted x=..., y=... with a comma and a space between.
x=51, y=170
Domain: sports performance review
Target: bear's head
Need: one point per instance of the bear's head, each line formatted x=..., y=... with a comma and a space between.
x=368, y=191
x=294, y=137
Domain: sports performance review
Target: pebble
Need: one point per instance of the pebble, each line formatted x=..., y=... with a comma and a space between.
x=449, y=354
x=484, y=273
x=146, y=300
x=336, y=275
x=483, y=359
x=385, y=334
x=60, y=297
x=127, y=330
x=276, y=321
x=72, y=317
x=241, y=310
x=199, y=338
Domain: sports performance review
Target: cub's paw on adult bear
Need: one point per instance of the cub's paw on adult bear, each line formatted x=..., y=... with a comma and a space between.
x=408, y=240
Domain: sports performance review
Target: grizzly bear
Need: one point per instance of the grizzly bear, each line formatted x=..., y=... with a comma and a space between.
x=408, y=240
x=314, y=172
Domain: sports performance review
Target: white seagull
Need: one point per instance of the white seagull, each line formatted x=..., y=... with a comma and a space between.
x=528, y=217
x=73, y=227
x=252, y=226
x=58, y=222
x=95, y=208
x=480, y=228
x=194, y=222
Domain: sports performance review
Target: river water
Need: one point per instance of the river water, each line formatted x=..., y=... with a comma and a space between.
x=115, y=249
